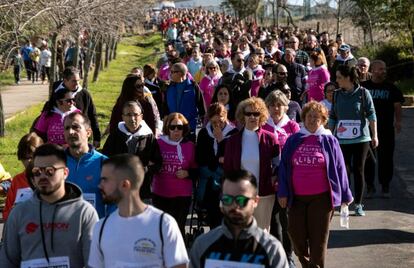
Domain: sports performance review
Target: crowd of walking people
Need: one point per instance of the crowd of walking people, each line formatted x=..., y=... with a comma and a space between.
x=258, y=128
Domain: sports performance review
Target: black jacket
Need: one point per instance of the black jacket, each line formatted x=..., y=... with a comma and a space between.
x=84, y=102
x=142, y=144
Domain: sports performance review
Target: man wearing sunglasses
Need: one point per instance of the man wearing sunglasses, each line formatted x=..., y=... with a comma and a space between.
x=238, y=239
x=54, y=227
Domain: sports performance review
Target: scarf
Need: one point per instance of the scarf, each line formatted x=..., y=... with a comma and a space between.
x=143, y=130
x=226, y=131
x=320, y=131
x=64, y=114
x=167, y=140
x=279, y=126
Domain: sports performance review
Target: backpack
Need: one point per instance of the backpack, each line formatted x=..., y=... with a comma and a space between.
x=159, y=229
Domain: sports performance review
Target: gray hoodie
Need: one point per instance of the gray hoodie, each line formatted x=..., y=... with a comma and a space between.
x=67, y=230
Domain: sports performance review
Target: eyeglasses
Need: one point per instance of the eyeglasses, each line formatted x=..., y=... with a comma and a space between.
x=132, y=114
x=174, y=127
x=282, y=73
x=255, y=114
x=241, y=200
x=48, y=171
x=68, y=101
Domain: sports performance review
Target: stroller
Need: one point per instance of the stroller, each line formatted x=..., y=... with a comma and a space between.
x=205, y=207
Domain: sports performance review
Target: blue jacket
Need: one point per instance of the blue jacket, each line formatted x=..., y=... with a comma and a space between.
x=191, y=104
x=335, y=167
x=86, y=173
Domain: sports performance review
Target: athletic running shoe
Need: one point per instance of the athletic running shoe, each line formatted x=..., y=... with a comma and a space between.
x=359, y=211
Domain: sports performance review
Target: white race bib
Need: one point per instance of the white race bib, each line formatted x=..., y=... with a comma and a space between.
x=210, y=263
x=91, y=198
x=55, y=262
x=348, y=129
x=23, y=194
x=121, y=264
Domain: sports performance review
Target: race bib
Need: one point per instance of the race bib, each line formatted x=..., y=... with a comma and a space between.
x=91, y=198
x=121, y=264
x=348, y=129
x=23, y=194
x=55, y=262
x=211, y=263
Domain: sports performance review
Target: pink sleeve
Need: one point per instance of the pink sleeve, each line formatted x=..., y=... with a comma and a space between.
x=43, y=123
x=325, y=75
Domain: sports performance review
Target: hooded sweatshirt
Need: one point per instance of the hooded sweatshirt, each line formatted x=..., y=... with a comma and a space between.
x=65, y=233
x=86, y=173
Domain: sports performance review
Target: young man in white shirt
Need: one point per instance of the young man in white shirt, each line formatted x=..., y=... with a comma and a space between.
x=136, y=234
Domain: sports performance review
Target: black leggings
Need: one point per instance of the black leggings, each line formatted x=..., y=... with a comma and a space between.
x=177, y=207
x=355, y=156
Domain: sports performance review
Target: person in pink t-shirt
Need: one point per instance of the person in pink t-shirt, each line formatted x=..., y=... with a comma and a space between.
x=49, y=126
x=172, y=185
x=258, y=74
x=313, y=166
x=209, y=82
x=317, y=77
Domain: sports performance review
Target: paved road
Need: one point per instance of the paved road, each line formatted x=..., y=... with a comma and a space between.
x=383, y=238
x=20, y=97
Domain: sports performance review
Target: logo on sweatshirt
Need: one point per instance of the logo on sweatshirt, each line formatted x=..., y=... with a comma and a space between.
x=31, y=227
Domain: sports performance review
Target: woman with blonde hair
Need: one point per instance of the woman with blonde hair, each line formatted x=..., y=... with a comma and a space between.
x=255, y=150
x=209, y=82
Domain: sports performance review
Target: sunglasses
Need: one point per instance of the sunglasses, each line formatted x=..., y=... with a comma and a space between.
x=173, y=72
x=212, y=68
x=282, y=73
x=241, y=200
x=239, y=60
x=174, y=127
x=255, y=114
x=48, y=171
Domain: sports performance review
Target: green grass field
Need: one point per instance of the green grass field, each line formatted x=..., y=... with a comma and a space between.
x=132, y=51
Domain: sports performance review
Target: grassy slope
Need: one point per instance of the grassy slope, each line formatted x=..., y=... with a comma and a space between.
x=104, y=93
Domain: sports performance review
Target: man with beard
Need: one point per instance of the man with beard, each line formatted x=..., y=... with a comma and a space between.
x=238, y=239
x=54, y=227
x=387, y=101
x=136, y=233
x=83, y=161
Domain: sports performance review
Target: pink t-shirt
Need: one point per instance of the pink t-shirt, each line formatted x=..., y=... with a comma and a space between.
x=165, y=183
x=258, y=74
x=207, y=87
x=52, y=126
x=317, y=78
x=309, y=168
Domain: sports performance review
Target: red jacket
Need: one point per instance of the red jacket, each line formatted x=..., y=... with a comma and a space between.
x=19, y=181
x=268, y=149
